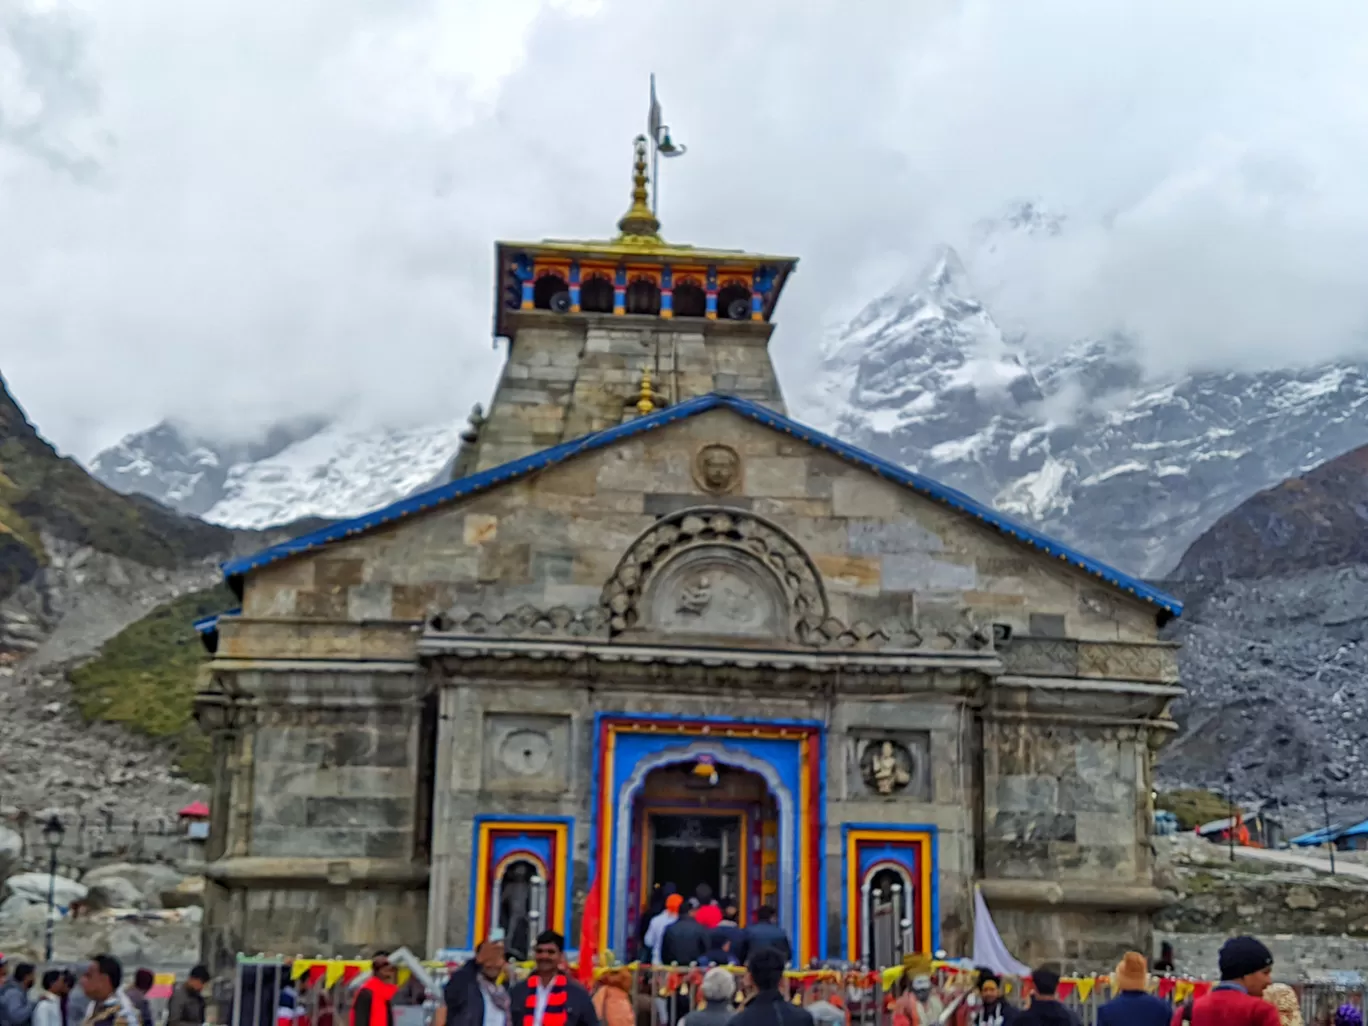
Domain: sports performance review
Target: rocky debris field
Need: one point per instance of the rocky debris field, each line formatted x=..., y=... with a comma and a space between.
x=1277, y=677
x=144, y=913
x=53, y=758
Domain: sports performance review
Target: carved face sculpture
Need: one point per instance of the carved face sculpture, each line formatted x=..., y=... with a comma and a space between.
x=716, y=468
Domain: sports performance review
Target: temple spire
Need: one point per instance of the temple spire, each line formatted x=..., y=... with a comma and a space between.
x=639, y=223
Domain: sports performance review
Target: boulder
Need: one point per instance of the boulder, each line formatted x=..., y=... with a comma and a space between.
x=149, y=879
x=114, y=892
x=13, y=907
x=188, y=892
x=11, y=843
x=34, y=888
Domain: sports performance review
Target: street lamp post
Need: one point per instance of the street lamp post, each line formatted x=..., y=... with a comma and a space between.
x=1325, y=804
x=1230, y=811
x=52, y=836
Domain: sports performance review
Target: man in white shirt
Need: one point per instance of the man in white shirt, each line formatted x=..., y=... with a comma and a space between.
x=48, y=1010
x=655, y=933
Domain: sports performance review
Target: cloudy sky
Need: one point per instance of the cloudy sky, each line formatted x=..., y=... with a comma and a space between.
x=231, y=212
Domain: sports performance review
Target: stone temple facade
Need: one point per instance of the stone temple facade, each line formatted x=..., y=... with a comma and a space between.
x=655, y=631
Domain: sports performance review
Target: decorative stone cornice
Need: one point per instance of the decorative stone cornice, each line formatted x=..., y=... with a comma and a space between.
x=1070, y=657
x=247, y=871
x=1099, y=897
x=621, y=666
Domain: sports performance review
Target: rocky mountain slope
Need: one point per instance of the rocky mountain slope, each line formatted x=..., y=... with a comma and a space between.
x=298, y=469
x=79, y=566
x=1275, y=640
x=1079, y=441
x=47, y=500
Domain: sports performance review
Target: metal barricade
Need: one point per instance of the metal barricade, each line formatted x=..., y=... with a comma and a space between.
x=275, y=992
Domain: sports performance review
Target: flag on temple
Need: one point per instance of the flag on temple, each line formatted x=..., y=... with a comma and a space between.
x=589, y=932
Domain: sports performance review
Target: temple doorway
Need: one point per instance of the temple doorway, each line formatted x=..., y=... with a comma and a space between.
x=520, y=906
x=703, y=825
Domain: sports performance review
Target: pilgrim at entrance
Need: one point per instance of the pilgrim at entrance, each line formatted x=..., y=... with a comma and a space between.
x=705, y=824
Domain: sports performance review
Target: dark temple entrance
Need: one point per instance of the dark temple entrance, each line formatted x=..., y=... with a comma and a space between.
x=702, y=823
x=691, y=850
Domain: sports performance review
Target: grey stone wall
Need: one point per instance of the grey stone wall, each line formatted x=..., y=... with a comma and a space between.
x=1295, y=956
x=1064, y=802
x=327, y=813
x=569, y=375
x=474, y=709
x=1024, y=782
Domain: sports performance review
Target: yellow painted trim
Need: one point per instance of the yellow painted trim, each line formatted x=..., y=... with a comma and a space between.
x=923, y=839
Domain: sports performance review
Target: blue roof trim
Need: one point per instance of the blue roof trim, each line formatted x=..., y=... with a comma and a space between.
x=934, y=490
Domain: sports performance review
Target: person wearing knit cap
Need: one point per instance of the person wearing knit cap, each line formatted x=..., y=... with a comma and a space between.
x=1284, y=999
x=1348, y=1015
x=1133, y=1005
x=1246, y=971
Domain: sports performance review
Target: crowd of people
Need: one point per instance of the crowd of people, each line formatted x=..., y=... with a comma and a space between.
x=485, y=992
x=704, y=931
x=98, y=997
x=477, y=994
x=1245, y=996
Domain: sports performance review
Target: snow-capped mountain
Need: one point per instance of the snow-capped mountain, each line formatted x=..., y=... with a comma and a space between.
x=1079, y=441
x=305, y=469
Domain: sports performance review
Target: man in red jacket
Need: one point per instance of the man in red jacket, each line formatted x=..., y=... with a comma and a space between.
x=1246, y=971
x=373, y=1004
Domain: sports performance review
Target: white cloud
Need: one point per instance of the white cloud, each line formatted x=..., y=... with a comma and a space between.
x=296, y=204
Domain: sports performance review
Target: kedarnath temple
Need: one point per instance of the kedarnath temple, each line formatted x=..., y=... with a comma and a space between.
x=656, y=631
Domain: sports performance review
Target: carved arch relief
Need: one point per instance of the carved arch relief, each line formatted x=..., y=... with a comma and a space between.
x=716, y=571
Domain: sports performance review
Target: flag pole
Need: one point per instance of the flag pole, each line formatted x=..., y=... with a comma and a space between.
x=653, y=132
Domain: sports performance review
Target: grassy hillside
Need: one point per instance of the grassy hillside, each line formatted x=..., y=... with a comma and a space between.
x=1193, y=807
x=41, y=491
x=146, y=675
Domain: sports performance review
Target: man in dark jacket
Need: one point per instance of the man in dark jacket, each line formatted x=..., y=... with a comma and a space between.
x=768, y=1007
x=186, y=1007
x=550, y=996
x=766, y=933
x=474, y=996
x=686, y=940
x=1046, y=1009
x=15, y=1007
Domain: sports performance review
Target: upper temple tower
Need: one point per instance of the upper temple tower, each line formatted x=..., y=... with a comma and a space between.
x=602, y=331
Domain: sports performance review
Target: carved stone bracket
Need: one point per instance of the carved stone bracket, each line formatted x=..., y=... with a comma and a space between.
x=1061, y=657
x=760, y=564
x=527, y=621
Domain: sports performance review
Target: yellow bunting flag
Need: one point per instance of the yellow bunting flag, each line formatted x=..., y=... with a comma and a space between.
x=1085, y=988
x=891, y=975
x=334, y=972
